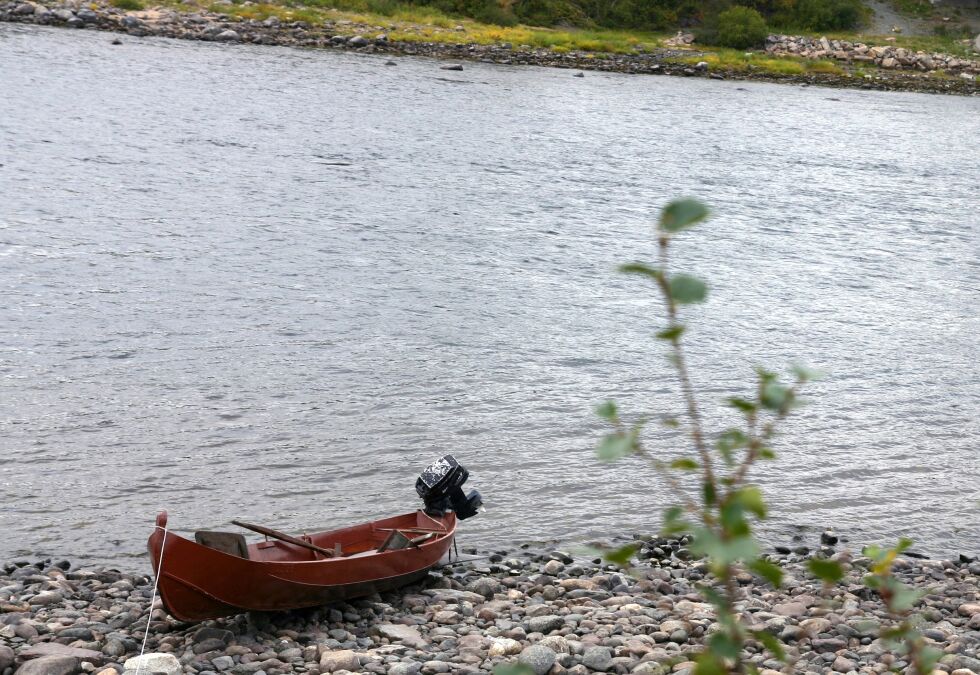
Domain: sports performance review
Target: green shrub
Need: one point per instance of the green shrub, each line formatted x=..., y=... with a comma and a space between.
x=383, y=7
x=491, y=12
x=549, y=13
x=128, y=5
x=740, y=28
x=485, y=11
x=641, y=14
x=828, y=15
x=951, y=31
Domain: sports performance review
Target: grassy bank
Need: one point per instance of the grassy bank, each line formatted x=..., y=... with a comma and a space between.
x=425, y=24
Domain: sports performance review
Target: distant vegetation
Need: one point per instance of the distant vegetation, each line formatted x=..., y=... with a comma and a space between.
x=701, y=16
x=738, y=28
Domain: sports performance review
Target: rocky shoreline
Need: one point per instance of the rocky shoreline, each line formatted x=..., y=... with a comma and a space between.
x=557, y=614
x=888, y=56
x=347, y=35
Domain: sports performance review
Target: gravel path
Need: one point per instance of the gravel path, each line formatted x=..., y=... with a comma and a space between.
x=885, y=18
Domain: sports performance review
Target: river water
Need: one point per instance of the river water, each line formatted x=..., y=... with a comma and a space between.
x=273, y=284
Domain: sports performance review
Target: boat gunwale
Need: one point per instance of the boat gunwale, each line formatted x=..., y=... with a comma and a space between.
x=440, y=536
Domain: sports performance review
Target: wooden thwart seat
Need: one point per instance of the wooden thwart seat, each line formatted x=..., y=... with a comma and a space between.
x=397, y=539
x=226, y=542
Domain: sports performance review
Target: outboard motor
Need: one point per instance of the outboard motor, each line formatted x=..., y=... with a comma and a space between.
x=440, y=485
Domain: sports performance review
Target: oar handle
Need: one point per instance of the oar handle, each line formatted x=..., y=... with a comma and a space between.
x=282, y=536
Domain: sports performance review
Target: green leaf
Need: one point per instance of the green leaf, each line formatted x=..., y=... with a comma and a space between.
x=682, y=214
x=742, y=404
x=732, y=439
x=766, y=453
x=622, y=555
x=770, y=642
x=775, y=396
x=828, y=571
x=685, y=464
x=724, y=552
x=686, y=290
x=729, y=441
x=641, y=269
x=709, y=664
x=708, y=493
x=719, y=601
x=804, y=374
x=750, y=498
x=615, y=446
x=675, y=528
x=895, y=634
x=607, y=411
x=670, y=422
x=672, y=333
x=767, y=570
x=513, y=669
x=674, y=522
x=928, y=658
x=903, y=544
x=722, y=644
x=904, y=598
x=873, y=551
x=733, y=519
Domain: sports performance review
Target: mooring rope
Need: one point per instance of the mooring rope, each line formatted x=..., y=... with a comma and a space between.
x=153, y=599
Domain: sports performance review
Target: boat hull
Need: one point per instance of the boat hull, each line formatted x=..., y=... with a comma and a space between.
x=196, y=582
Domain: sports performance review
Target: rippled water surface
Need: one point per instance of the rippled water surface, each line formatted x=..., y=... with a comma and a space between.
x=273, y=284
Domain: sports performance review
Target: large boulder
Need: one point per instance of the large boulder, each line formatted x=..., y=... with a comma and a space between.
x=45, y=649
x=7, y=657
x=49, y=665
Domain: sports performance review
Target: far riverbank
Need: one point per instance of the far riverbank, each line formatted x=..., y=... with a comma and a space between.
x=853, y=68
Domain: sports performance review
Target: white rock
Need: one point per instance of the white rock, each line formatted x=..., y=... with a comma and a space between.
x=504, y=647
x=155, y=663
x=815, y=625
x=553, y=567
x=407, y=635
x=343, y=659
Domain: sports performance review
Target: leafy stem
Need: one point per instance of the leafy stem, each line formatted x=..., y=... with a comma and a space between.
x=720, y=528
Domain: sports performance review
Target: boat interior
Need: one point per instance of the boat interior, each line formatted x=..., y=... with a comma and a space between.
x=377, y=537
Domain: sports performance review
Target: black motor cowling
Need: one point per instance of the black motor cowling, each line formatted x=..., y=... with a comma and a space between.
x=440, y=485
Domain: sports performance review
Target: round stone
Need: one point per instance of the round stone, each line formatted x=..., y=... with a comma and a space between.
x=538, y=658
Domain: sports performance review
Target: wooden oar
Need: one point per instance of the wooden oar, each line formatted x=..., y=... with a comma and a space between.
x=276, y=534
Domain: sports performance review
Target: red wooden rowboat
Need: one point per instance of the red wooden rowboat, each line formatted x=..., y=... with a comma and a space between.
x=197, y=582
x=217, y=574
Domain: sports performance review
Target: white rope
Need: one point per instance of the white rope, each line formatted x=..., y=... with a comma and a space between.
x=153, y=599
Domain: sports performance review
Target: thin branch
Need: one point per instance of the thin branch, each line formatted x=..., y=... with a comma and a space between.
x=697, y=426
